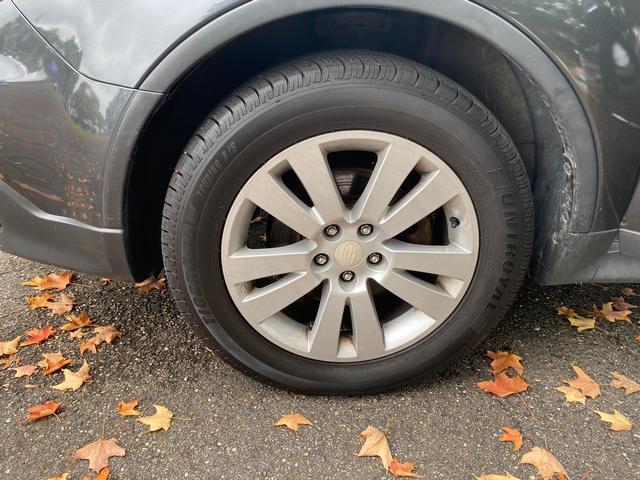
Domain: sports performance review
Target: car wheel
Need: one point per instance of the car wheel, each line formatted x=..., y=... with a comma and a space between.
x=346, y=223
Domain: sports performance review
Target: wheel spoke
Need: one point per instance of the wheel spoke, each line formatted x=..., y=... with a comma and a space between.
x=433, y=300
x=311, y=167
x=325, y=334
x=368, y=337
x=448, y=260
x=433, y=191
x=393, y=166
x=273, y=196
x=250, y=264
x=264, y=302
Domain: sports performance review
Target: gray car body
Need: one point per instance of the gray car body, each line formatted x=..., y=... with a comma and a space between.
x=80, y=82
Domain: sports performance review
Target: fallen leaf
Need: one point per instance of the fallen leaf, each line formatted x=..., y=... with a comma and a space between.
x=624, y=382
x=38, y=335
x=76, y=322
x=58, y=307
x=566, y=312
x=161, y=420
x=10, y=347
x=497, y=477
x=545, y=462
x=53, y=362
x=375, y=445
x=99, y=452
x=74, y=380
x=107, y=334
x=293, y=421
x=151, y=284
x=50, y=282
x=42, y=411
x=503, y=385
x=619, y=423
x=583, y=323
x=512, y=435
x=77, y=334
x=620, y=304
x=504, y=360
x=62, y=476
x=637, y=338
x=90, y=345
x=572, y=395
x=608, y=313
x=398, y=469
x=629, y=292
x=41, y=301
x=10, y=360
x=25, y=371
x=128, y=409
x=105, y=280
x=584, y=383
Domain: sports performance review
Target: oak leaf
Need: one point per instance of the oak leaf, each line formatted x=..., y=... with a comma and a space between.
x=77, y=334
x=53, y=362
x=99, y=452
x=293, y=421
x=375, y=445
x=503, y=385
x=572, y=395
x=38, y=335
x=50, y=282
x=10, y=347
x=621, y=381
x=608, y=313
x=90, y=345
x=584, y=383
x=545, y=462
x=620, y=304
x=497, y=477
x=398, y=469
x=25, y=371
x=128, y=409
x=75, y=322
x=512, y=435
x=151, y=284
x=62, y=476
x=504, y=360
x=107, y=334
x=42, y=411
x=74, y=380
x=619, y=423
x=161, y=420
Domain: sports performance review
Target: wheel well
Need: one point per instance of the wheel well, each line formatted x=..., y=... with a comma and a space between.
x=462, y=56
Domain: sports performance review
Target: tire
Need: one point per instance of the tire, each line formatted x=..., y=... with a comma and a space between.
x=324, y=94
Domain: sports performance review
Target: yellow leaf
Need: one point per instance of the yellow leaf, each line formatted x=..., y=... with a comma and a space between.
x=10, y=347
x=624, y=382
x=375, y=445
x=497, y=477
x=62, y=476
x=619, y=423
x=584, y=383
x=76, y=322
x=293, y=421
x=572, y=395
x=74, y=380
x=583, y=323
x=545, y=462
x=161, y=420
x=128, y=409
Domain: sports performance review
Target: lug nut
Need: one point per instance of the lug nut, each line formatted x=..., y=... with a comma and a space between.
x=331, y=230
x=321, y=259
x=374, y=258
x=347, y=276
x=365, y=229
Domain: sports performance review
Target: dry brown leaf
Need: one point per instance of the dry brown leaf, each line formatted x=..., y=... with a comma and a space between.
x=104, y=474
x=64, y=304
x=582, y=323
x=38, y=335
x=151, y=284
x=161, y=420
x=398, y=469
x=10, y=360
x=619, y=423
x=497, y=477
x=504, y=360
x=629, y=292
x=74, y=380
x=128, y=409
x=53, y=362
x=572, y=395
x=545, y=462
x=99, y=452
x=42, y=411
x=77, y=334
x=61, y=476
x=105, y=280
x=375, y=445
x=50, y=282
x=503, y=385
x=25, y=371
x=566, y=312
x=107, y=334
x=620, y=304
x=90, y=345
x=625, y=382
x=292, y=421
x=608, y=313
x=584, y=383
x=512, y=435
x=75, y=322
x=10, y=347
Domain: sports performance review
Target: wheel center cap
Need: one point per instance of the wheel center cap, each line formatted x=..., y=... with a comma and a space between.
x=349, y=254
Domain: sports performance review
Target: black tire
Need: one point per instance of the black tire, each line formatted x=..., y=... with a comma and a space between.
x=337, y=91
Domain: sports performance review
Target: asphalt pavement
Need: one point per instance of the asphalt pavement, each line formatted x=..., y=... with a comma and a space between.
x=224, y=419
